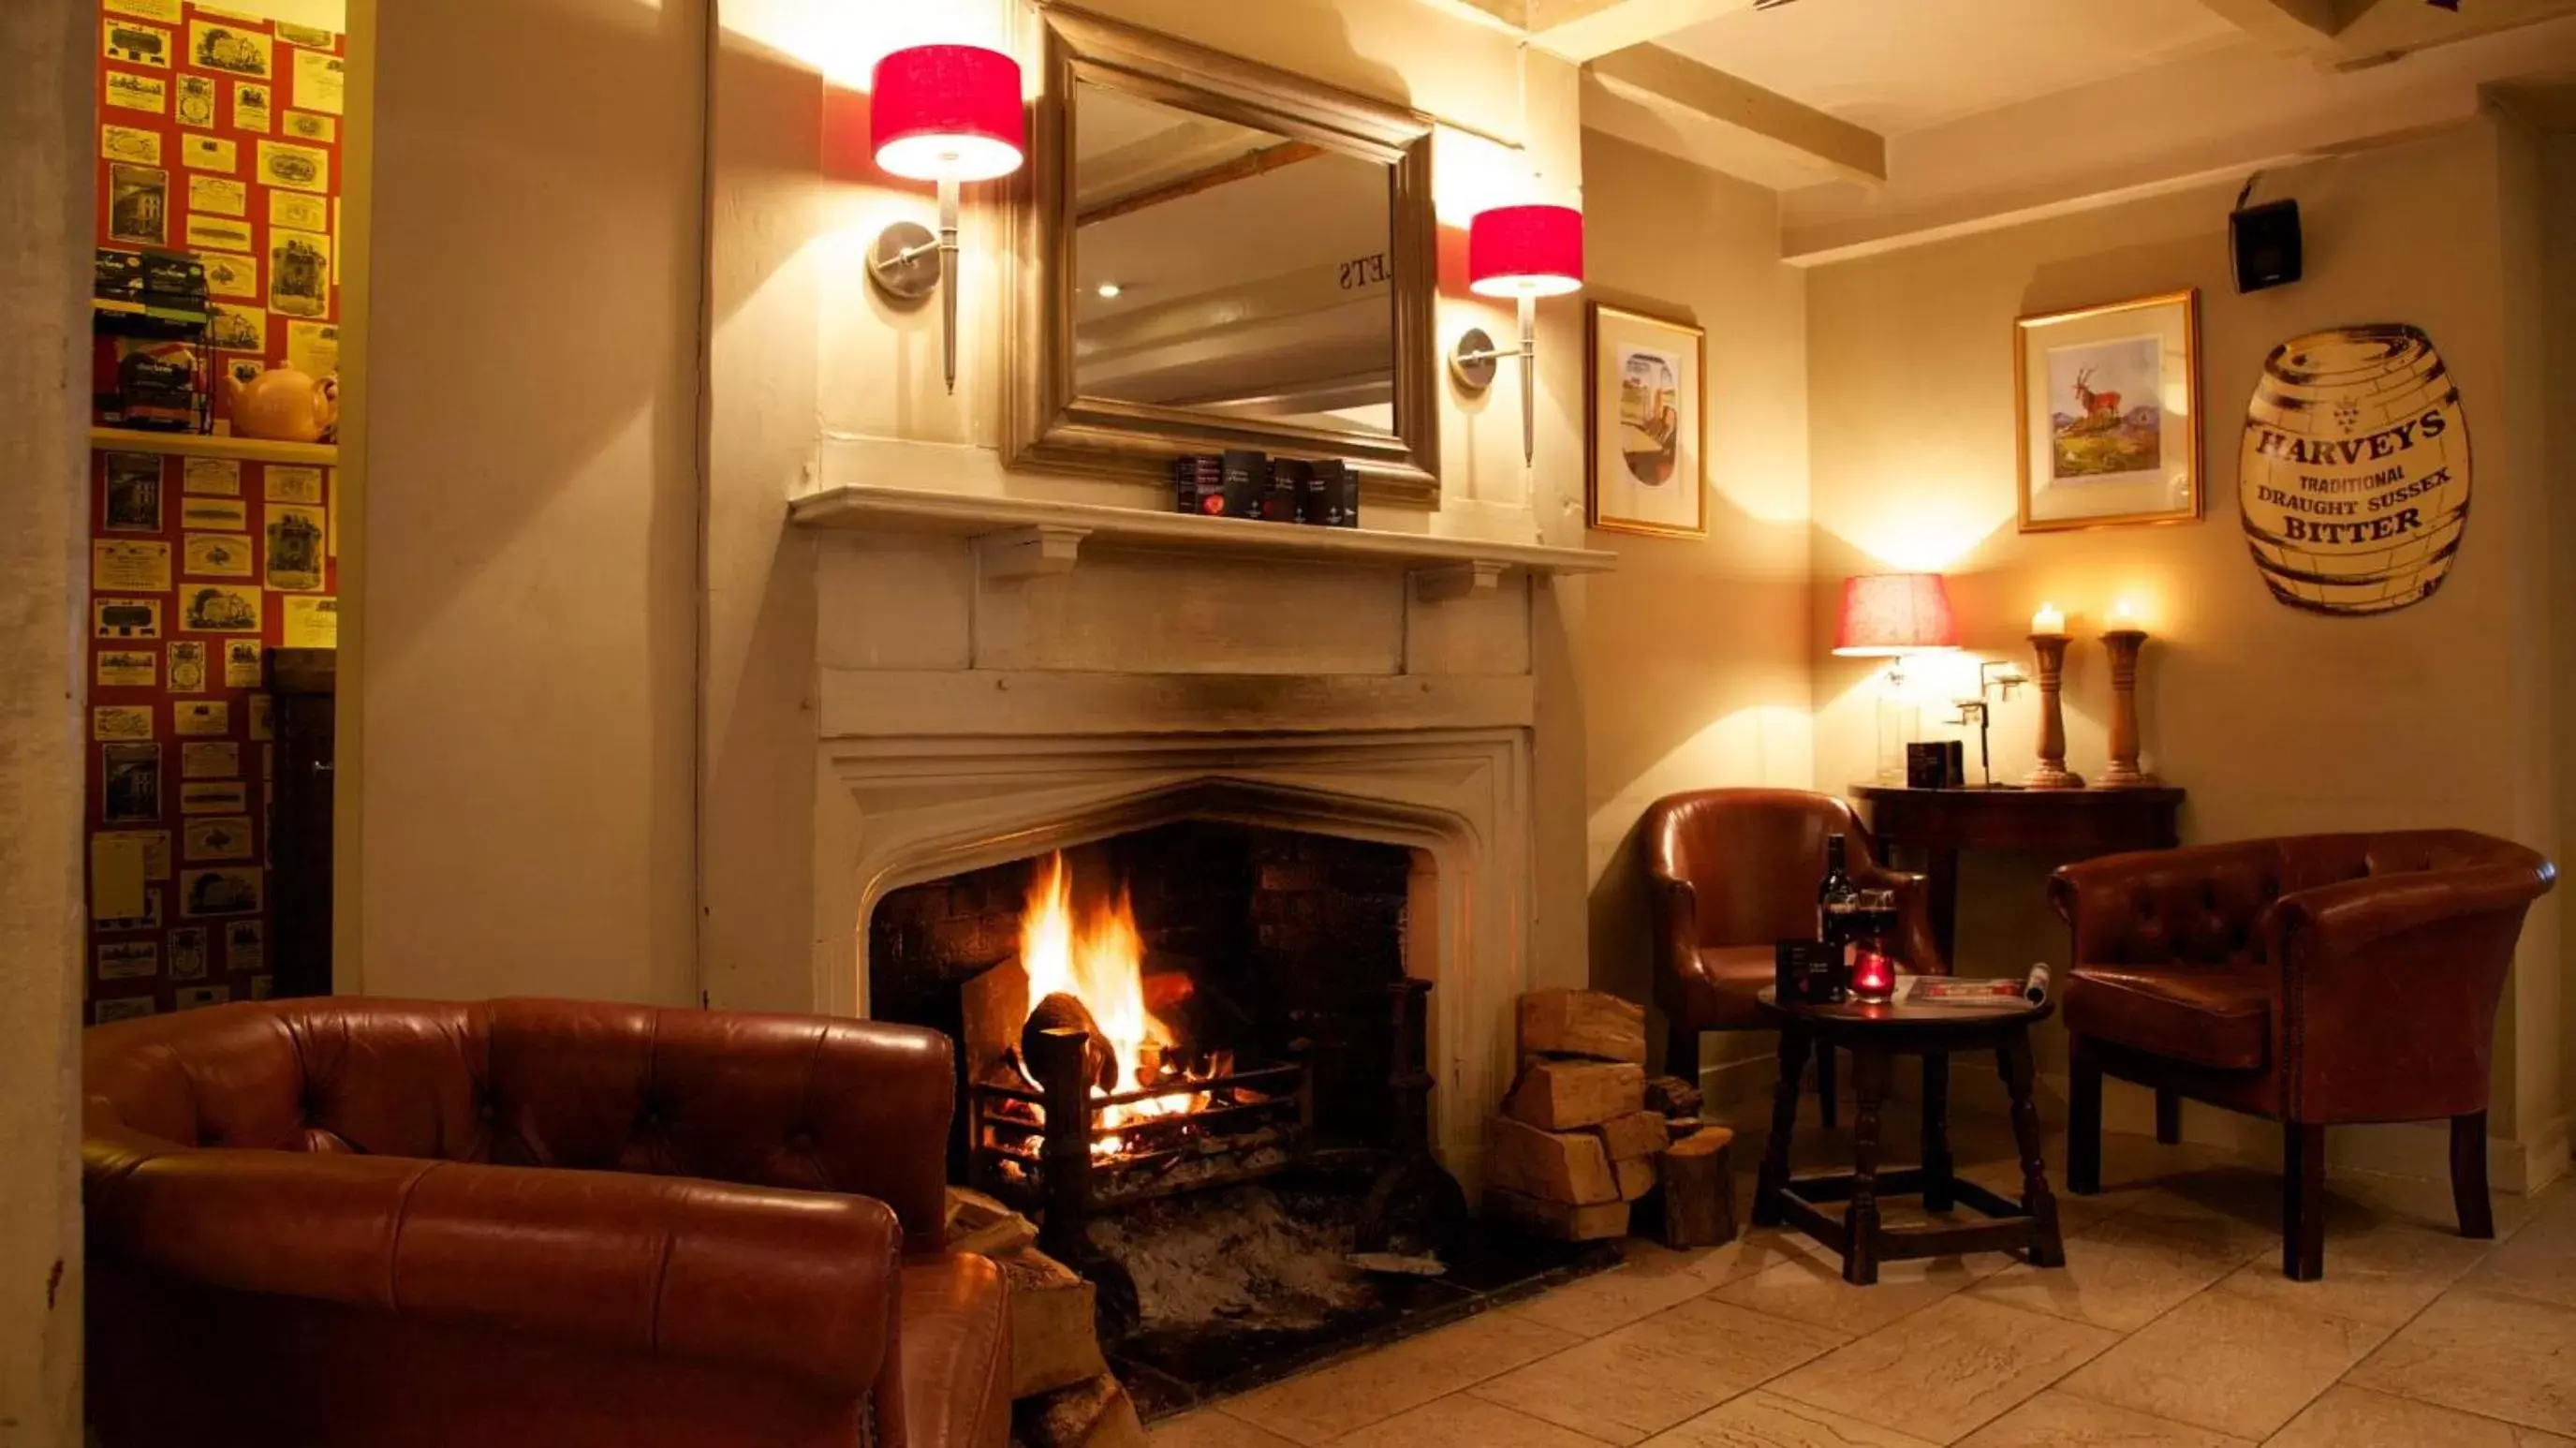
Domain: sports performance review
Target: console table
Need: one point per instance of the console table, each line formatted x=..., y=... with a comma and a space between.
x=2079, y=823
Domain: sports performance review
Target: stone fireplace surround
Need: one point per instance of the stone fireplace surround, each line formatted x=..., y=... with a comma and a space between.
x=976, y=707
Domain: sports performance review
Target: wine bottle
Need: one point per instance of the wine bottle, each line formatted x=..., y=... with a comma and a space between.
x=1837, y=911
x=1837, y=897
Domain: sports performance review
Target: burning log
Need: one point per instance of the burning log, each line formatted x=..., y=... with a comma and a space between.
x=1065, y=1013
x=1167, y=991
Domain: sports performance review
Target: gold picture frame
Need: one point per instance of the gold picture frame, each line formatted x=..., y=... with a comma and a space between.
x=1634, y=388
x=2129, y=450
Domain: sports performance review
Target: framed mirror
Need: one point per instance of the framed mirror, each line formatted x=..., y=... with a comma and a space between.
x=1215, y=254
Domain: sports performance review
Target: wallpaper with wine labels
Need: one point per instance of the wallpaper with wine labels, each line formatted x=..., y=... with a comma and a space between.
x=219, y=136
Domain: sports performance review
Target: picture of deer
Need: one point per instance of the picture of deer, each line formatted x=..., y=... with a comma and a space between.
x=2096, y=432
x=2096, y=404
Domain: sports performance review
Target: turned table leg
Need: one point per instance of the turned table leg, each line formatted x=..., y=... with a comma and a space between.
x=1784, y=1121
x=2012, y=1059
x=1860, y=1222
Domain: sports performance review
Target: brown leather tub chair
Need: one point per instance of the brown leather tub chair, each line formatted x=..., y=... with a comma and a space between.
x=1731, y=873
x=360, y=1223
x=2318, y=980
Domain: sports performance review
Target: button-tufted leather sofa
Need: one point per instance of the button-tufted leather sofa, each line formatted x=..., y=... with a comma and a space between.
x=357, y=1223
x=2315, y=980
x=1730, y=873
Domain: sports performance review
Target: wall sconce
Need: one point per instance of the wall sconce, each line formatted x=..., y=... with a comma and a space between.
x=1523, y=252
x=949, y=114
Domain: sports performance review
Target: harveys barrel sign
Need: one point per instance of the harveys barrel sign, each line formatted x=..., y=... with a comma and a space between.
x=2355, y=481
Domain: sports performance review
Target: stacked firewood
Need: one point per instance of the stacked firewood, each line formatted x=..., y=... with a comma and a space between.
x=1582, y=1139
x=1062, y=1392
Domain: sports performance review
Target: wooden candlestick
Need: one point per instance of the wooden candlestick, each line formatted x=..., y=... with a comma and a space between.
x=2122, y=644
x=2051, y=772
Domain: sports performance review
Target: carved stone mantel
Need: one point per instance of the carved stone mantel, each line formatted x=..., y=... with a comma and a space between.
x=1029, y=537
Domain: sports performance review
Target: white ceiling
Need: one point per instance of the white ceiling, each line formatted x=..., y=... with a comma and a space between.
x=1895, y=66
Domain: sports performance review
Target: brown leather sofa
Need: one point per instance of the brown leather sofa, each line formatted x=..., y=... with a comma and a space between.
x=357, y=1223
x=2317, y=980
x=1730, y=874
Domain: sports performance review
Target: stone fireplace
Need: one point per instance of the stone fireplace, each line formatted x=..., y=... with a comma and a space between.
x=1448, y=806
x=1002, y=679
x=1304, y=759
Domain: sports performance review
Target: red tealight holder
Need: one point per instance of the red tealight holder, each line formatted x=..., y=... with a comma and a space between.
x=1873, y=977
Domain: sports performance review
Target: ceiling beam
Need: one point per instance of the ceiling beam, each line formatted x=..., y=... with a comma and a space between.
x=2374, y=35
x=1511, y=15
x=1584, y=30
x=2350, y=34
x=1736, y=116
x=2287, y=24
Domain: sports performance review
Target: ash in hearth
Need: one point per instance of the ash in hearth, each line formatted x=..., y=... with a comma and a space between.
x=1244, y=1258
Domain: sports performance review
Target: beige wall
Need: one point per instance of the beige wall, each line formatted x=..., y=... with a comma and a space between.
x=528, y=603
x=2277, y=721
x=1695, y=657
x=816, y=382
x=47, y=113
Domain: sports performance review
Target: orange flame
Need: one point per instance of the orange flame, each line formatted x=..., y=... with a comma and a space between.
x=1100, y=964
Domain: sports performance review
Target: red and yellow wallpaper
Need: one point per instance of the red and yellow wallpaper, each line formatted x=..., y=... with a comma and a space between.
x=219, y=136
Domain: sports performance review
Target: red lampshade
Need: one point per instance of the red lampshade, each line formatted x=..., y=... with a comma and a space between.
x=1525, y=251
x=947, y=110
x=1885, y=614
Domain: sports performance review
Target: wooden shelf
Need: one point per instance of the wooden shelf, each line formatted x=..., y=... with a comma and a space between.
x=1027, y=537
x=200, y=445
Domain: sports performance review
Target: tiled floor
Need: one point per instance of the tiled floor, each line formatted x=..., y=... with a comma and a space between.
x=2170, y=1327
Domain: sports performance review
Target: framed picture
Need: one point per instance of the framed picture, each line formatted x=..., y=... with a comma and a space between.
x=1645, y=410
x=2108, y=403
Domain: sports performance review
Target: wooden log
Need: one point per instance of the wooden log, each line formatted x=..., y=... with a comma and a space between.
x=1054, y=1342
x=1673, y=1096
x=1095, y=1413
x=1063, y=1012
x=1699, y=1191
x=995, y=1005
x=1562, y=1095
x=1582, y=1023
x=1636, y=1176
x=1556, y=1219
x=1638, y=1134
x=1558, y=1166
x=979, y=1226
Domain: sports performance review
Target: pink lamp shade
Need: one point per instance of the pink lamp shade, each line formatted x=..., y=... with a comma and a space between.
x=1525, y=251
x=949, y=110
x=1885, y=615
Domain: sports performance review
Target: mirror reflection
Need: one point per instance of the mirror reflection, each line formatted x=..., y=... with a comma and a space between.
x=1229, y=270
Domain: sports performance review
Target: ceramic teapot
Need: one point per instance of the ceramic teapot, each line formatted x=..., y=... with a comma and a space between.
x=283, y=405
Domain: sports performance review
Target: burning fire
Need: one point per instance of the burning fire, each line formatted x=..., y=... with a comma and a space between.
x=1101, y=964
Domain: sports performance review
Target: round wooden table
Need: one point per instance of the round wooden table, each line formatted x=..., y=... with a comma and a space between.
x=1876, y=1035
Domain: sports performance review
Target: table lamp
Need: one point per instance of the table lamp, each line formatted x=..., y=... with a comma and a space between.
x=1894, y=616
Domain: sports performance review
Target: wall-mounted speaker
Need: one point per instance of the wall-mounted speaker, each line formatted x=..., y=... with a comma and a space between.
x=2265, y=239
